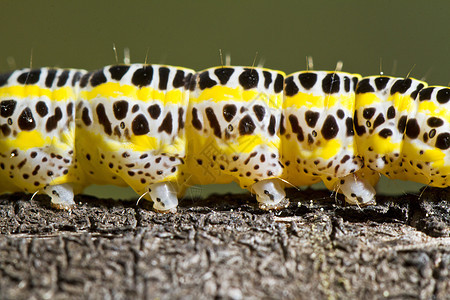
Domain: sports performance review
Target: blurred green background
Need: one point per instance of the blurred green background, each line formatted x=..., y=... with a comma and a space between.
x=404, y=34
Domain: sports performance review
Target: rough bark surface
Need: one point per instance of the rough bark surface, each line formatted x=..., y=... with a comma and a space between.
x=226, y=247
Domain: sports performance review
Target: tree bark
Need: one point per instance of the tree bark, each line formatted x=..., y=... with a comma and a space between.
x=226, y=247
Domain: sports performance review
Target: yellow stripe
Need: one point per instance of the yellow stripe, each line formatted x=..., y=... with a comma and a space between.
x=433, y=155
x=329, y=149
x=246, y=144
x=310, y=101
x=34, y=91
x=401, y=102
x=34, y=139
x=222, y=93
x=114, y=90
x=366, y=99
x=430, y=108
x=141, y=143
x=379, y=144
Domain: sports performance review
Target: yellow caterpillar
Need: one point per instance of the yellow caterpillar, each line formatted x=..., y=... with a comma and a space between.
x=160, y=129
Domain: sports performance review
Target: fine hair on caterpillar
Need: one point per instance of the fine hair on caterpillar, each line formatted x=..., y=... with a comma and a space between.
x=161, y=129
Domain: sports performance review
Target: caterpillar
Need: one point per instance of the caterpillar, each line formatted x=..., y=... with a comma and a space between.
x=160, y=129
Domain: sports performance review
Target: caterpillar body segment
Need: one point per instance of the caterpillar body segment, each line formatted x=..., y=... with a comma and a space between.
x=383, y=107
x=318, y=134
x=37, y=137
x=131, y=131
x=428, y=151
x=232, y=125
x=403, y=129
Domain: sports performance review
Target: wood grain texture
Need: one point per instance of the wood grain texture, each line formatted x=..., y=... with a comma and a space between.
x=226, y=247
